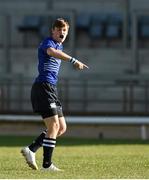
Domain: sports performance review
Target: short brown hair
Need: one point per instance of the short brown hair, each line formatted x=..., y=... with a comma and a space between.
x=60, y=23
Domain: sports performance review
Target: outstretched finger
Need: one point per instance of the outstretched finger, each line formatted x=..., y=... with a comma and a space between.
x=86, y=66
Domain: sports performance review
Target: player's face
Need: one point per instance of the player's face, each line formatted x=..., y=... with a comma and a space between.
x=60, y=34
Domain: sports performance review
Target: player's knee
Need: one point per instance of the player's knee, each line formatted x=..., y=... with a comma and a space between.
x=62, y=130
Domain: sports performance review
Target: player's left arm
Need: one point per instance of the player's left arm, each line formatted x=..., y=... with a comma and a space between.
x=61, y=55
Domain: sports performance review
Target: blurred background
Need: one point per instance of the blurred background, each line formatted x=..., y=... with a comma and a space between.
x=111, y=99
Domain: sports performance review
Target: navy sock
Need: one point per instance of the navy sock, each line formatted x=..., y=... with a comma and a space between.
x=37, y=143
x=48, y=147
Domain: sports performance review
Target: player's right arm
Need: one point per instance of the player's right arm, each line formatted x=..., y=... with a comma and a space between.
x=63, y=56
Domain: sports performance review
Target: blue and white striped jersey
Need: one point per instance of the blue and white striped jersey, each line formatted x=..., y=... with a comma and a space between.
x=48, y=66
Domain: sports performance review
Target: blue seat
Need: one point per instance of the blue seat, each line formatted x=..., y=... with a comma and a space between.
x=144, y=19
x=97, y=25
x=83, y=21
x=144, y=27
x=30, y=24
x=99, y=18
x=112, y=31
x=144, y=32
x=114, y=26
x=115, y=18
x=96, y=31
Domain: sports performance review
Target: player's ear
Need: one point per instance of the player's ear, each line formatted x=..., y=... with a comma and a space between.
x=67, y=31
x=52, y=31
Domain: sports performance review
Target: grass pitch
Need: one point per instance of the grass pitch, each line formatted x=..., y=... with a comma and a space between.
x=79, y=158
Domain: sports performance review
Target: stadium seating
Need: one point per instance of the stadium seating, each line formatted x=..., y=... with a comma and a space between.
x=30, y=25
x=144, y=30
x=98, y=24
x=82, y=28
x=97, y=27
x=114, y=28
x=83, y=21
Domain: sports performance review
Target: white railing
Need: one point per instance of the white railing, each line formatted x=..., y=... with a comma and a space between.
x=89, y=120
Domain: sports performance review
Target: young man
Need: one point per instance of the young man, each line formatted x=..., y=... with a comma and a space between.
x=44, y=96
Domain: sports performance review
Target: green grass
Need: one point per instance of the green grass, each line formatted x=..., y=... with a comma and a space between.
x=80, y=158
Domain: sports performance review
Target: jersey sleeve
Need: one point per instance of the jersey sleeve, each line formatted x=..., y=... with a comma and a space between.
x=47, y=44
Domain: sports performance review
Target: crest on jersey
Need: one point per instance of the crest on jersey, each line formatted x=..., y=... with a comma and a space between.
x=53, y=105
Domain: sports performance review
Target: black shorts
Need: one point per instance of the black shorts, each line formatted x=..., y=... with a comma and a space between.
x=44, y=98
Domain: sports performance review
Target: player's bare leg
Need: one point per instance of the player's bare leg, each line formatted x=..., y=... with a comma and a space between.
x=29, y=151
x=49, y=142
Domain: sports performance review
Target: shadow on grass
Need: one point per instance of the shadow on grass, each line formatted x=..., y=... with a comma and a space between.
x=9, y=141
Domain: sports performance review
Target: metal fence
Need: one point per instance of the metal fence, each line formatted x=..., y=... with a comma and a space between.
x=81, y=96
